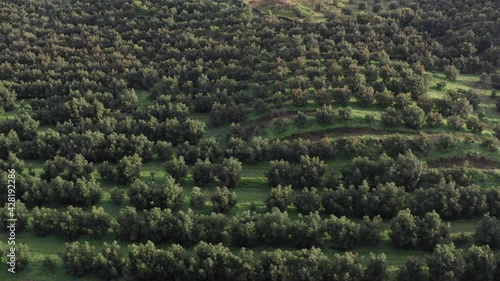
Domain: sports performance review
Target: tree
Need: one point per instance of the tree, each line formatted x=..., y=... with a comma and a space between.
x=431, y=230
x=68, y=169
x=443, y=197
x=493, y=201
x=365, y=95
x=143, y=262
x=326, y=114
x=404, y=230
x=99, y=222
x=451, y=72
x=413, y=117
x=306, y=231
x=177, y=168
x=211, y=228
x=341, y=95
x=339, y=233
x=163, y=150
x=183, y=227
x=211, y=262
x=376, y=268
x=434, y=119
x=338, y=202
x=128, y=169
x=109, y=262
x=370, y=230
x=412, y=270
x=280, y=173
x=300, y=97
x=203, y=172
x=230, y=173
x=392, y=118
x=307, y=201
x=273, y=227
x=170, y=195
x=446, y=263
x=198, y=198
x=311, y=171
x=20, y=213
x=347, y=266
x=407, y=170
x=475, y=125
x=117, y=195
x=129, y=225
x=456, y=122
x=260, y=106
x=384, y=98
x=7, y=99
x=488, y=231
x=480, y=264
x=78, y=258
x=402, y=101
x=386, y=200
x=72, y=223
x=323, y=97
x=345, y=113
x=223, y=200
x=243, y=229
x=208, y=148
x=280, y=197
x=80, y=193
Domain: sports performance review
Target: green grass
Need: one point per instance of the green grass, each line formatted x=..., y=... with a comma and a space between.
x=254, y=188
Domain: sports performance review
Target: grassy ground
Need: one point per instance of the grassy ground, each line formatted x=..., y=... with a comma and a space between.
x=254, y=188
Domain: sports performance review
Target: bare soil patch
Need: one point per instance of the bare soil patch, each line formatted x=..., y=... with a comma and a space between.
x=473, y=161
x=336, y=132
x=263, y=121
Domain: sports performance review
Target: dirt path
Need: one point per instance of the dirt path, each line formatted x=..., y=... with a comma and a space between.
x=474, y=161
x=263, y=121
x=337, y=132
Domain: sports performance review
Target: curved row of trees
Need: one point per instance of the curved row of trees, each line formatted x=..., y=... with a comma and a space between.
x=146, y=262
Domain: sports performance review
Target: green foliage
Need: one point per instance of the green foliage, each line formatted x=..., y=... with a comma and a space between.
x=307, y=201
x=20, y=213
x=223, y=200
x=243, y=229
x=432, y=231
x=306, y=232
x=480, y=263
x=273, y=227
x=177, y=168
x=488, y=232
x=446, y=263
x=78, y=258
x=412, y=270
x=198, y=198
x=451, y=72
x=404, y=230
x=475, y=125
x=109, y=262
x=279, y=197
x=117, y=195
x=339, y=233
x=7, y=99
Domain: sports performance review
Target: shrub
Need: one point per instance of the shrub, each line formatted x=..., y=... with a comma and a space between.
x=198, y=198
x=475, y=125
x=434, y=119
x=451, y=72
x=223, y=200
x=345, y=113
x=117, y=195
x=456, y=122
